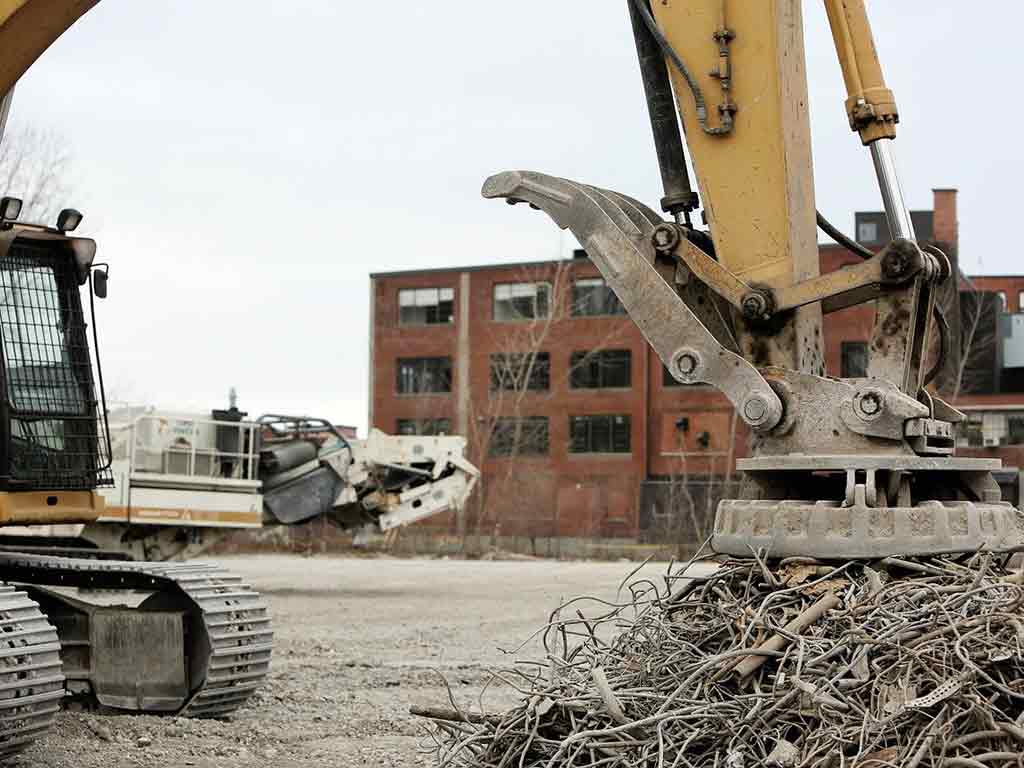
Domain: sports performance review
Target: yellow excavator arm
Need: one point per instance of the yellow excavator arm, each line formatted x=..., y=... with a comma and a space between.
x=29, y=27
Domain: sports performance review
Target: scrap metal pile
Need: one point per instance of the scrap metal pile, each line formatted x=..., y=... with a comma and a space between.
x=910, y=663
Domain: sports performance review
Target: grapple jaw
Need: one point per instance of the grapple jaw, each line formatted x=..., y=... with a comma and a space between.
x=618, y=234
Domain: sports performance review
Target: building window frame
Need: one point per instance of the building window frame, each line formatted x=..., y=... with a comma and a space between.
x=668, y=381
x=423, y=427
x=867, y=232
x=601, y=369
x=854, y=358
x=423, y=375
x=593, y=297
x=524, y=301
x=601, y=434
x=437, y=304
x=509, y=372
x=534, y=437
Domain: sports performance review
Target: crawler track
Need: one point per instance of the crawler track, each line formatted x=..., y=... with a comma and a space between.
x=230, y=645
x=31, y=683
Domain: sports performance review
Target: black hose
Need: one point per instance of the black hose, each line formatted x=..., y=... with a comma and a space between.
x=666, y=47
x=661, y=108
x=848, y=243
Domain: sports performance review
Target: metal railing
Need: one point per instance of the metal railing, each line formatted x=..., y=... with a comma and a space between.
x=196, y=447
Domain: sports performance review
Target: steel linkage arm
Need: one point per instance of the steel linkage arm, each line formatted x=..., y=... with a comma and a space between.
x=616, y=232
x=895, y=266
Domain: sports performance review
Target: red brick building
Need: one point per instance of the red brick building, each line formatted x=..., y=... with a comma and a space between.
x=571, y=416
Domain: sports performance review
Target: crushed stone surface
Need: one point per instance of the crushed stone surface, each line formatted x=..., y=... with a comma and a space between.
x=358, y=640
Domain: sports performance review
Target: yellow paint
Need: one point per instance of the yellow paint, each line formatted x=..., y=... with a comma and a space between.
x=29, y=27
x=756, y=182
x=870, y=105
x=44, y=507
x=187, y=516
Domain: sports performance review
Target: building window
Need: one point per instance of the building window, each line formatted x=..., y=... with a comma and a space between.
x=418, y=375
x=521, y=301
x=867, y=232
x=668, y=380
x=854, y=362
x=600, y=369
x=1002, y=300
x=517, y=372
x=592, y=297
x=426, y=306
x=969, y=432
x=990, y=430
x=1015, y=430
x=527, y=436
x=599, y=434
x=424, y=427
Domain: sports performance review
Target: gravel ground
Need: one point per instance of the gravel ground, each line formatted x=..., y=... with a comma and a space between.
x=357, y=642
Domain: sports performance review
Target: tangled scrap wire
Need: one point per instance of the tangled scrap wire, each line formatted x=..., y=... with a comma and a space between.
x=911, y=663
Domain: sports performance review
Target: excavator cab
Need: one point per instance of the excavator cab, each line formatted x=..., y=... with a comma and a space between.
x=54, y=445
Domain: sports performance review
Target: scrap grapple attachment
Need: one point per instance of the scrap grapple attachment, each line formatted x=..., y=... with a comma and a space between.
x=842, y=468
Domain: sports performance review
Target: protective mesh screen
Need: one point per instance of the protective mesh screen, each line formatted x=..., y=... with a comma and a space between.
x=58, y=438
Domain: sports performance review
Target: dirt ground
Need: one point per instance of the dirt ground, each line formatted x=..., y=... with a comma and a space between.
x=357, y=642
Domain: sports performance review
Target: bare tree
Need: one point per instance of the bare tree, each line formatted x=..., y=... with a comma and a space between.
x=34, y=166
x=976, y=362
x=503, y=423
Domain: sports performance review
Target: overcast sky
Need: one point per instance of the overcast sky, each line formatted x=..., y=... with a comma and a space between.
x=244, y=165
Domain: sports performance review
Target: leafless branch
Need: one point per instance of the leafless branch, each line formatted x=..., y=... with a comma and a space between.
x=34, y=166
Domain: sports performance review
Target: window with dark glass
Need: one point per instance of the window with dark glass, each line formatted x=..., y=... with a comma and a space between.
x=668, y=380
x=867, y=232
x=591, y=297
x=521, y=301
x=54, y=427
x=969, y=433
x=418, y=375
x=854, y=359
x=600, y=369
x=426, y=306
x=599, y=434
x=526, y=436
x=1015, y=430
x=423, y=427
x=516, y=372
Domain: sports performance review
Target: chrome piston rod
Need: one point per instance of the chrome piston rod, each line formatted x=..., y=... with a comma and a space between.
x=896, y=212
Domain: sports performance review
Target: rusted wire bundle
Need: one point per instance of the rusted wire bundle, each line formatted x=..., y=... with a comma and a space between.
x=911, y=663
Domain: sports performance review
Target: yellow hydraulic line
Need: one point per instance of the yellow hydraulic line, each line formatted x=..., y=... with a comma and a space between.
x=870, y=105
x=844, y=48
